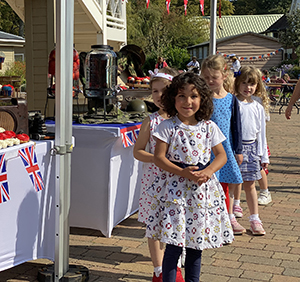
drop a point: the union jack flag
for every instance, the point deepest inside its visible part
(4, 193)
(130, 134)
(29, 159)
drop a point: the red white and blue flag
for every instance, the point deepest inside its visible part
(130, 135)
(29, 159)
(4, 192)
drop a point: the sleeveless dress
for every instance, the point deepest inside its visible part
(182, 212)
(149, 171)
(222, 114)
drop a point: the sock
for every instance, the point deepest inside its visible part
(231, 216)
(254, 217)
(157, 270)
(236, 202)
(264, 191)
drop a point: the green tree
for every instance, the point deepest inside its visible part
(258, 7)
(290, 37)
(9, 20)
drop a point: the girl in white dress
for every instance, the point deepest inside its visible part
(143, 151)
(254, 141)
(188, 206)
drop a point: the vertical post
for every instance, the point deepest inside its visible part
(63, 131)
(213, 20)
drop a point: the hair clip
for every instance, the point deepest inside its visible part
(160, 74)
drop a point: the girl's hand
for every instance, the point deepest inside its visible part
(203, 175)
(264, 165)
(239, 158)
(189, 173)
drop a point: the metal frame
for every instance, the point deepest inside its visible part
(63, 131)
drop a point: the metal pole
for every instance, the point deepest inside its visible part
(63, 131)
(213, 20)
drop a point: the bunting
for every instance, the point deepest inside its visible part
(202, 7)
(4, 192)
(254, 58)
(168, 2)
(29, 159)
(130, 135)
(147, 3)
(185, 5)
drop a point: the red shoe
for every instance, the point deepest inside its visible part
(157, 279)
(179, 277)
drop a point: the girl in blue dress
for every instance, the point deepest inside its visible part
(226, 115)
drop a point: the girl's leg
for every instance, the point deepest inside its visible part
(251, 196)
(226, 192)
(236, 227)
(256, 226)
(169, 265)
(264, 195)
(192, 265)
(156, 249)
(237, 210)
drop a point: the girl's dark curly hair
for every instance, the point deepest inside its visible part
(178, 82)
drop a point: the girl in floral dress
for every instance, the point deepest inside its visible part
(143, 151)
(188, 207)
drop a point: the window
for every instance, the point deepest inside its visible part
(19, 57)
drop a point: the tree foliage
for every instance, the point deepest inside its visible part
(9, 20)
(161, 34)
(258, 7)
(290, 38)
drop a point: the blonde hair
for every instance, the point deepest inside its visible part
(254, 75)
(218, 63)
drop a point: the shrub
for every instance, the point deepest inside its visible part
(17, 68)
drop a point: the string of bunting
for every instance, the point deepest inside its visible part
(185, 3)
(254, 58)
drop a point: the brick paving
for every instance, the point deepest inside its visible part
(274, 257)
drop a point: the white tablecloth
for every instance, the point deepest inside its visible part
(27, 219)
(105, 184)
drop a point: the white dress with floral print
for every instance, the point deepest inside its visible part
(149, 171)
(182, 212)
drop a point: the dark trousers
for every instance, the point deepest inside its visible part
(192, 264)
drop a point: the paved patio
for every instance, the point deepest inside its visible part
(274, 257)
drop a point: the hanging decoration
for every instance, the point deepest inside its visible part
(168, 2)
(29, 159)
(202, 7)
(4, 192)
(130, 135)
(147, 3)
(254, 58)
(185, 5)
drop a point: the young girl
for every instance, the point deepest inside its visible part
(188, 208)
(226, 115)
(158, 83)
(255, 152)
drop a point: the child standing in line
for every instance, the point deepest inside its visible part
(264, 198)
(144, 151)
(255, 151)
(226, 115)
(188, 208)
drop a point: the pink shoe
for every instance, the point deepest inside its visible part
(236, 227)
(237, 211)
(157, 279)
(257, 228)
(179, 277)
